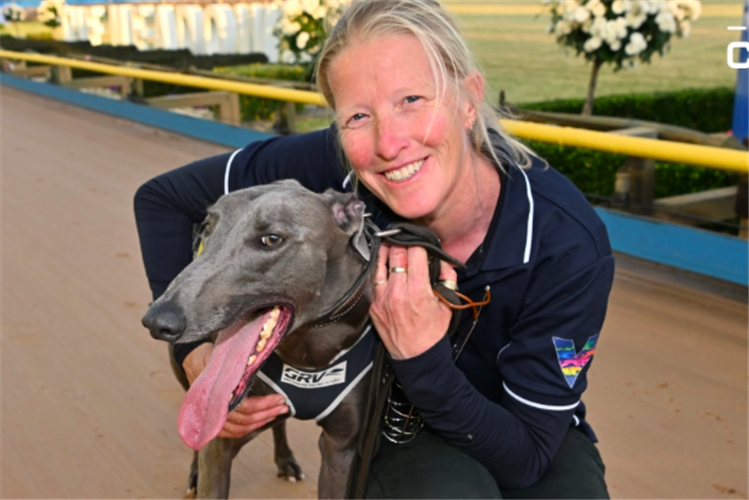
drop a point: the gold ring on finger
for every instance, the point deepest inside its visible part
(449, 284)
(397, 269)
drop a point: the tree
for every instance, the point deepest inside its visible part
(619, 32)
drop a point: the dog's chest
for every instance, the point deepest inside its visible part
(315, 394)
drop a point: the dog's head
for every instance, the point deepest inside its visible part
(269, 260)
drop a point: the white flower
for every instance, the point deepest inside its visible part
(586, 26)
(598, 26)
(292, 8)
(302, 39)
(636, 44)
(675, 10)
(621, 6)
(592, 43)
(645, 6)
(666, 21)
(13, 13)
(320, 12)
(615, 45)
(581, 15)
(685, 27)
(562, 28)
(635, 19)
(596, 8)
(692, 8)
(310, 6)
(46, 10)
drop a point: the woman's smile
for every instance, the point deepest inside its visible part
(401, 174)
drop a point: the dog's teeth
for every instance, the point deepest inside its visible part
(265, 335)
(275, 313)
(251, 360)
(261, 345)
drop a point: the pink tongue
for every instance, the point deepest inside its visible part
(206, 405)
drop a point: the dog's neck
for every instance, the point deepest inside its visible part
(314, 344)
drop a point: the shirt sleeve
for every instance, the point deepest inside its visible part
(517, 437)
(168, 206)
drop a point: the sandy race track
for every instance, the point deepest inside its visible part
(89, 403)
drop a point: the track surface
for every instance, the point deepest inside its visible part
(89, 404)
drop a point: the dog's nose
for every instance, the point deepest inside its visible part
(165, 322)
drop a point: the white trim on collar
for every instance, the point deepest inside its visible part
(347, 180)
(228, 168)
(529, 231)
(265, 378)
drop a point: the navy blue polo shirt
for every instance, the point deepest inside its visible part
(516, 388)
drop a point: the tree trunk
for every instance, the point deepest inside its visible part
(588, 108)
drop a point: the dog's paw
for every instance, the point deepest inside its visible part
(191, 493)
(290, 470)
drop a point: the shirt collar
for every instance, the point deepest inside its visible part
(509, 241)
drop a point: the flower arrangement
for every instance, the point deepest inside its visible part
(14, 14)
(619, 32)
(302, 28)
(48, 13)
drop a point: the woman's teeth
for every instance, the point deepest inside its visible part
(404, 173)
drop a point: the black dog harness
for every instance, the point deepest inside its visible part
(315, 394)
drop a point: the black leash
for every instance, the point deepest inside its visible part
(382, 376)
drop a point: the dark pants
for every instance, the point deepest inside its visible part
(428, 467)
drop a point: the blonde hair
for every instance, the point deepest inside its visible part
(449, 57)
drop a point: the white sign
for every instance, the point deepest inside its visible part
(211, 29)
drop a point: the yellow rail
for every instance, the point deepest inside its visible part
(719, 158)
(300, 96)
(692, 154)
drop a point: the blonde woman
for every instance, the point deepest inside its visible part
(415, 136)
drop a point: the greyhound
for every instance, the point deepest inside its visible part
(282, 282)
(270, 269)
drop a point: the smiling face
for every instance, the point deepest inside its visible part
(407, 143)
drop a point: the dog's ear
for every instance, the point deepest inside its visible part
(347, 210)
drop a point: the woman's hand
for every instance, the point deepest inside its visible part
(251, 414)
(408, 316)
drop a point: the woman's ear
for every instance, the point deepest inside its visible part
(474, 86)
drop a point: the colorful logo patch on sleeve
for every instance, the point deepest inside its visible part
(571, 362)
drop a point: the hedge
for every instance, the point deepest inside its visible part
(257, 108)
(706, 110)
(178, 59)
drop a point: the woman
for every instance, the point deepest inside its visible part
(504, 419)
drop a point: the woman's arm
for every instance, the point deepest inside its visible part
(517, 438)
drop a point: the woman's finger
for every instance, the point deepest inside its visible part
(447, 272)
(381, 271)
(418, 268)
(397, 264)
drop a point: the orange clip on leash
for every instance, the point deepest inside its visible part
(470, 303)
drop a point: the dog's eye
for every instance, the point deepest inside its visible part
(271, 240)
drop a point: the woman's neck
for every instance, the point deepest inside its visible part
(463, 224)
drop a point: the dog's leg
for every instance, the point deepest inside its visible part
(214, 466)
(283, 456)
(192, 481)
(335, 467)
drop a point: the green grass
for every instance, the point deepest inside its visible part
(519, 57)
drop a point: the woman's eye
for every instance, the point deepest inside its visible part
(356, 118)
(412, 98)
(271, 240)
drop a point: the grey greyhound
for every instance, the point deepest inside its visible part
(273, 264)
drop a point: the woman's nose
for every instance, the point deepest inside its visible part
(390, 140)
